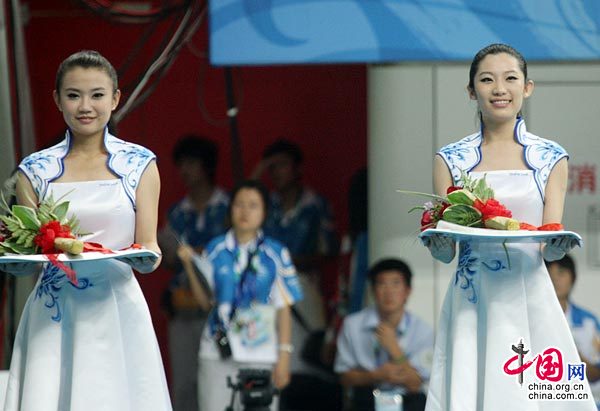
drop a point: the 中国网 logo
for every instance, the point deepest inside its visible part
(550, 371)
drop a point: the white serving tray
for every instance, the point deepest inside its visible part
(459, 232)
(87, 256)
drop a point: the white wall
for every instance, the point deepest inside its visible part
(416, 108)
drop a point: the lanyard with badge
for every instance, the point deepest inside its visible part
(245, 289)
(252, 323)
(387, 398)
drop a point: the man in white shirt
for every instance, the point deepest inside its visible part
(385, 346)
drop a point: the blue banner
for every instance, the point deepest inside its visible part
(263, 32)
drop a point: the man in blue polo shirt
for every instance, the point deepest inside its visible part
(385, 346)
(583, 324)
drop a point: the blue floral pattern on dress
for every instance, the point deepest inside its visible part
(468, 263)
(51, 283)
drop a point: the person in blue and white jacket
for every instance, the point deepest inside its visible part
(584, 325)
(253, 283)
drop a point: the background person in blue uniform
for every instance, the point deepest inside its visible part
(302, 220)
(245, 269)
(385, 346)
(194, 220)
(583, 324)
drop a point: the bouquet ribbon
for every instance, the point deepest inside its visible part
(71, 274)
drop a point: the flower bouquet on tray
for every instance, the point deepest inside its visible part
(44, 230)
(471, 204)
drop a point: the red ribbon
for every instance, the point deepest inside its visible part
(87, 247)
(71, 275)
(99, 248)
(135, 246)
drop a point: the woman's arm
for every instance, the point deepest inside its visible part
(25, 194)
(281, 371)
(146, 215)
(442, 179)
(442, 248)
(556, 189)
(554, 201)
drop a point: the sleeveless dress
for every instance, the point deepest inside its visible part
(91, 346)
(492, 304)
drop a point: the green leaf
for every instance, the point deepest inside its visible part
(27, 216)
(418, 193)
(461, 197)
(18, 249)
(12, 223)
(60, 211)
(481, 189)
(462, 214)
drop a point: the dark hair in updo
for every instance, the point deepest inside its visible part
(496, 48)
(86, 59)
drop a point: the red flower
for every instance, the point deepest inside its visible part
(492, 208)
(452, 188)
(426, 219)
(48, 232)
(431, 216)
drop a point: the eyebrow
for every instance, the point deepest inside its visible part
(94, 89)
(489, 73)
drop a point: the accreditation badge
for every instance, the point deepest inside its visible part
(387, 400)
(252, 334)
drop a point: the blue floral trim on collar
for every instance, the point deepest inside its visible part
(540, 155)
(126, 160)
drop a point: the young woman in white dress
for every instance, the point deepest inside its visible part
(493, 302)
(90, 345)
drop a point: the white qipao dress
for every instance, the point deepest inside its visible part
(89, 346)
(491, 306)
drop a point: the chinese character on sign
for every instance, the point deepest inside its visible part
(549, 366)
(582, 178)
(576, 371)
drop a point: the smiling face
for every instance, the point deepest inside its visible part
(500, 86)
(86, 99)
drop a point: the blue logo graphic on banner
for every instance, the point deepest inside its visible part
(344, 31)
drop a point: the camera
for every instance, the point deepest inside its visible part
(255, 388)
(222, 342)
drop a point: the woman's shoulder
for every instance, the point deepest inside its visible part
(45, 155)
(542, 144)
(117, 146)
(462, 155)
(469, 142)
